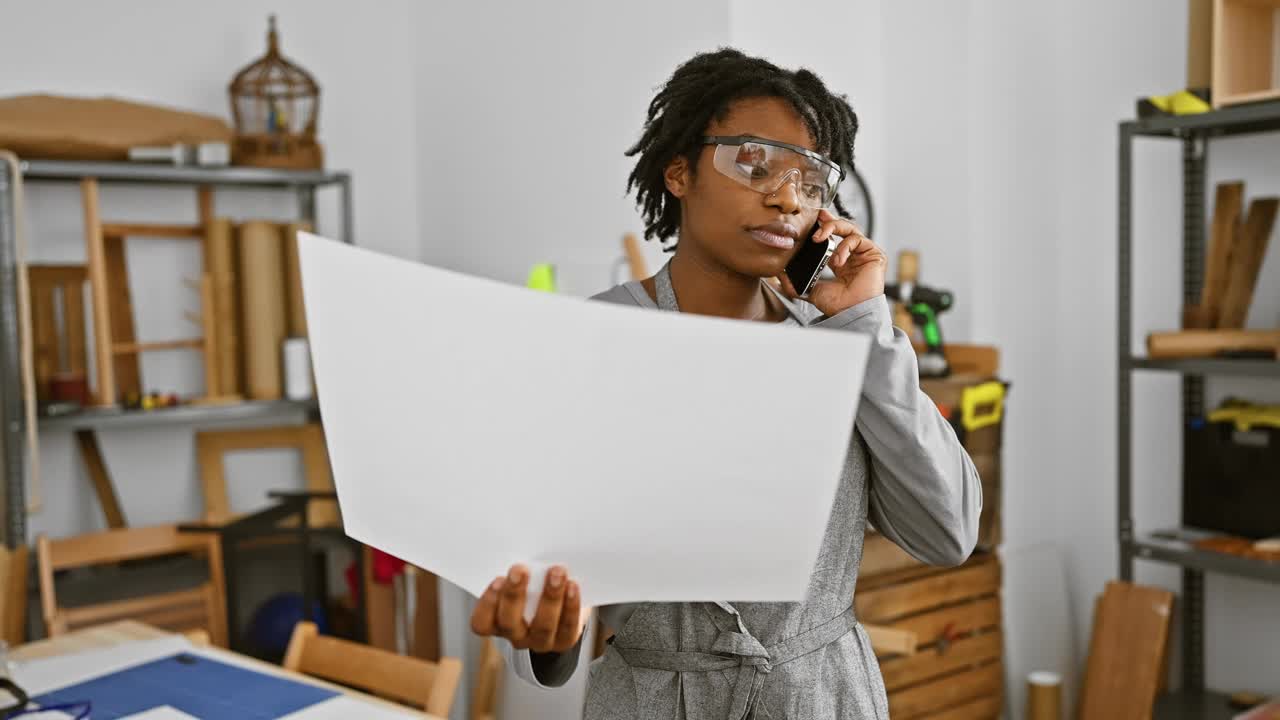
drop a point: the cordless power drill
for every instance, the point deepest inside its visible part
(925, 304)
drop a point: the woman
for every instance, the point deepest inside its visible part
(740, 160)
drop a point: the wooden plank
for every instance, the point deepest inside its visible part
(208, 325)
(128, 377)
(948, 692)
(319, 475)
(1250, 97)
(44, 331)
(484, 693)
(96, 467)
(1222, 238)
(172, 606)
(296, 317)
(109, 546)
(379, 607)
(1246, 262)
(952, 621)
(385, 673)
(14, 569)
(155, 230)
(136, 347)
(1200, 44)
(426, 623)
(1125, 654)
(908, 272)
(966, 652)
(984, 708)
(262, 286)
(95, 249)
(62, 274)
(204, 206)
(917, 571)
(980, 360)
(73, 321)
(1208, 343)
(894, 601)
(887, 641)
(220, 262)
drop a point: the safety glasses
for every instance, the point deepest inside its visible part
(765, 165)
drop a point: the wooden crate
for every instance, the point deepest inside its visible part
(1246, 53)
(957, 672)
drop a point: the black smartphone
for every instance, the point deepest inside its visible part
(807, 265)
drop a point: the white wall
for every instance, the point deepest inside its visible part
(184, 54)
(1037, 90)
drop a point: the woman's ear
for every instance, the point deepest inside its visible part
(677, 176)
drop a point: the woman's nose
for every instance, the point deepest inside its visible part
(787, 196)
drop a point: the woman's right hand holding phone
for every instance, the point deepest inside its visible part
(557, 625)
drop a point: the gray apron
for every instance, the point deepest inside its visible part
(804, 661)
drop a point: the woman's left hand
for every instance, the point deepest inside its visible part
(859, 266)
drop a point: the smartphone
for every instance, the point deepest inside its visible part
(808, 264)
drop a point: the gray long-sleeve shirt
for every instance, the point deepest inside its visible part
(905, 469)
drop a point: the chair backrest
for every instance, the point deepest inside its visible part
(201, 607)
(425, 685)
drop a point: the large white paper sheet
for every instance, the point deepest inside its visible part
(659, 456)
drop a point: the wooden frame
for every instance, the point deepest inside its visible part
(47, 283)
(425, 685)
(201, 607)
(212, 445)
(115, 346)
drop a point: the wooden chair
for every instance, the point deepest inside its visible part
(201, 607)
(419, 683)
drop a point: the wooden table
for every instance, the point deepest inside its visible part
(126, 631)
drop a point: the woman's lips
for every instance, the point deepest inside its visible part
(774, 240)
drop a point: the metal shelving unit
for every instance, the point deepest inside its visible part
(1194, 132)
(304, 183)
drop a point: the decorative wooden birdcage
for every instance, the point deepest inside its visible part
(275, 105)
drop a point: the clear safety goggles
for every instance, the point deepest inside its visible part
(765, 165)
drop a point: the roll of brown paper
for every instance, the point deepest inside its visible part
(1044, 696)
(220, 261)
(297, 324)
(263, 307)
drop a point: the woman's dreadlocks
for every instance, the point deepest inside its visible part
(702, 89)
